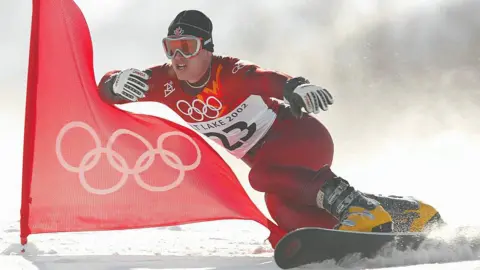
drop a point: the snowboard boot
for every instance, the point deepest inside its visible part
(353, 209)
(409, 214)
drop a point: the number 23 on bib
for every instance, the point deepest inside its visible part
(240, 129)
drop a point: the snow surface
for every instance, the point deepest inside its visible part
(222, 245)
(212, 245)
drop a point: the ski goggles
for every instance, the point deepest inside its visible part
(188, 46)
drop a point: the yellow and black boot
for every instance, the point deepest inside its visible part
(410, 214)
(354, 210)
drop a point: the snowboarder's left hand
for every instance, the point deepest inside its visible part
(299, 93)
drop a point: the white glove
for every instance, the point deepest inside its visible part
(315, 98)
(131, 84)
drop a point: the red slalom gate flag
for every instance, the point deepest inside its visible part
(89, 166)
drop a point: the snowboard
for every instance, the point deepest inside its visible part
(314, 245)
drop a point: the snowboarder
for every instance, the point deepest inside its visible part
(256, 114)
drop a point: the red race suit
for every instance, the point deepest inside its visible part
(241, 108)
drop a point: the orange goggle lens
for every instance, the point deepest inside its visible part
(187, 46)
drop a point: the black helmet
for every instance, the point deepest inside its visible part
(195, 23)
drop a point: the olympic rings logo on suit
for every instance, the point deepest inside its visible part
(203, 112)
(143, 163)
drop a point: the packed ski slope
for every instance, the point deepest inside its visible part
(217, 245)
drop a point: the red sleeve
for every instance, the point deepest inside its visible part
(259, 81)
(267, 83)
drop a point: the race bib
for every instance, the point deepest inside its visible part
(242, 128)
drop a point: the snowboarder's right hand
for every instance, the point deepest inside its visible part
(131, 84)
